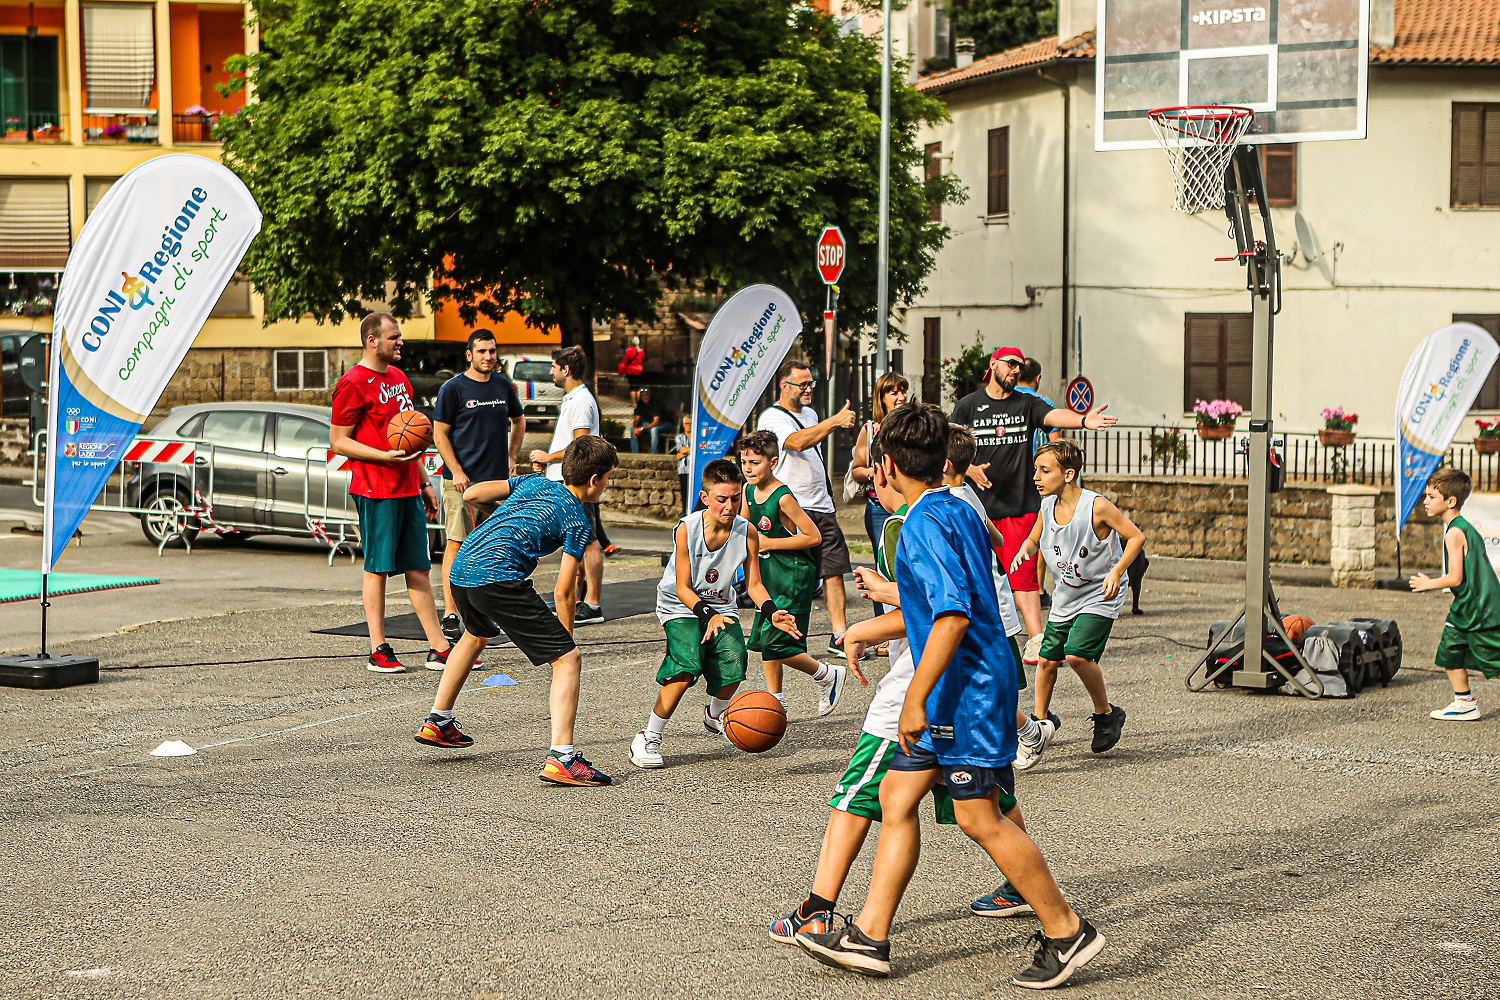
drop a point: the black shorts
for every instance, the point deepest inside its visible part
(964, 781)
(596, 525)
(832, 553)
(516, 610)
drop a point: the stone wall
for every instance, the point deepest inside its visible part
(1205, 519)
(241, 374)
(645, 486)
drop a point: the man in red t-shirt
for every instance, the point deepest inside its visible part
(394, 497)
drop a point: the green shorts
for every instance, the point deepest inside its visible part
(1015, 650)
(720, 661)
(393, 534)
(1084, 635)
(1462, 650)
(858, 791)
(772, 643)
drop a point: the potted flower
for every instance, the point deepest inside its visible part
(49, 133)
(1487, 441)
(1338, 427)
(114, 132)
(1216, 418)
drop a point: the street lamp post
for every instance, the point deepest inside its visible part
(883, 252)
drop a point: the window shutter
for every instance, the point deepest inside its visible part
(932, 359)
(1489, 393)
(94, 190)
(1468, 135)
(999, 171)
(1239, 338)
(34, 231)
(1279, 166)
(932, 169)
(1489, 177)
(1203, 342)
(119, 57)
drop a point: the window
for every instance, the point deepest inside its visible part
(28, 83)
(1278, 165)
(1217, 358)
(192, 430)
(532, 371)
(234, 300)
(296, 436)
(932, 171)
(34, 230)
(1476, 155)
(300, 371)
(932, 359)
(384, 305)
(119, 57)
(998, 202)
(242, 429)
(1489, 393)
(94, 190)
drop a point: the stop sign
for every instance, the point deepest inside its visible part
(831, 255)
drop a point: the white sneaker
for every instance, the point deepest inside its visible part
(1459, 711)
(831, 688)
(1027, 756)
(715, 726)
(645, 750)
(1032, 654)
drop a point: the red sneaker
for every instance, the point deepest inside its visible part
(383, 661)
(578, 771)
(437, 659)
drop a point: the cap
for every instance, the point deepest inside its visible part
(1003, 354)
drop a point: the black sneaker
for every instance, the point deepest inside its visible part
(848, 948)
(453, 629)
(1107, 729)
(1056, 959)
(588, 614)
(836, 648)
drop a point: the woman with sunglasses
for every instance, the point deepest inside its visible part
(891, 390)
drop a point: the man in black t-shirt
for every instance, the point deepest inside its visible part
(469, 430)
(648, 422)
(1003, 422)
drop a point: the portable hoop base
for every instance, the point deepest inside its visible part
(1199, 141)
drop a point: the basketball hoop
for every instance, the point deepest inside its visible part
(1199, 140)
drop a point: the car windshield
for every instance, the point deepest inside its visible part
(532, 371)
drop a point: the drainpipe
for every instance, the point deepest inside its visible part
(1067, 216)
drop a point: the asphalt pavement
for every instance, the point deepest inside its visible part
(1234, 845)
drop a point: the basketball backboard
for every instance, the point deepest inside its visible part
(1300, 65)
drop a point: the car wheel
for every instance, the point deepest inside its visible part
(165, 519)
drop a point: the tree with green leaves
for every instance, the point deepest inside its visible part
(570, 159)
(997, 25)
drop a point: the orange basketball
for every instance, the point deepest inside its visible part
(409, 430)
(1296, 626)
(754, 721)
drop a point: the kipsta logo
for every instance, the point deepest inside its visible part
(712, 576)
(765, 523)
(960, 778)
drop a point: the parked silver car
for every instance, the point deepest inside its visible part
(256, 478)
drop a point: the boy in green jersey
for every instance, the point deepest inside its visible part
(1471, 635)
(787, 539)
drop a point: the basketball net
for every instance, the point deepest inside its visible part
(1199, 141)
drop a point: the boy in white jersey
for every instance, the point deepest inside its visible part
(1088, 545)
(695, 605)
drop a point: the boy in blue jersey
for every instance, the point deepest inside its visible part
(957, 722)
(492, 589)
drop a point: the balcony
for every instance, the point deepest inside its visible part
(194, 126)
(33, 126)
(119, 126)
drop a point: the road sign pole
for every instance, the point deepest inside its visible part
(883, 254)
(828, 339)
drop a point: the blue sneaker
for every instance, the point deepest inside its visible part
(784, 929)
(1003, 902)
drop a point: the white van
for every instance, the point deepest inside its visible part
(532, 375)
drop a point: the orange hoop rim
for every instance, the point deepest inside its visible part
(1223, 114)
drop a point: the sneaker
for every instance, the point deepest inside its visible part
(453, 629)
(437, 659)
(831, 688)
(383, 661)
(1003, 902)
(645, 750)
(1107, 729)
(784, 929)
(443, 734)
(1027, 755)
(836, 648)
(611, 550)
(575, 771)
(1462, 710)
(1031, 655)
(715, 726)
(848, 948)
(1056, 959)
(588, 614)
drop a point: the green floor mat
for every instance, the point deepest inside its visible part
(26, 584)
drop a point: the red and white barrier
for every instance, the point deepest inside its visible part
(161, 452)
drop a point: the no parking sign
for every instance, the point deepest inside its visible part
(1080, 395)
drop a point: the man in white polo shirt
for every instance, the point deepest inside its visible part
(578, 415)
(799, 432)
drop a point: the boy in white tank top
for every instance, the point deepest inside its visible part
(695, 604)
(1087, 544)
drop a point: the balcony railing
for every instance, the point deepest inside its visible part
(33, 126)
(194, 128)
(120, 125)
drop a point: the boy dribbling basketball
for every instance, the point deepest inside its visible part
(695, 605)
(787, 538)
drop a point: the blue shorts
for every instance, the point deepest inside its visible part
(964, 781)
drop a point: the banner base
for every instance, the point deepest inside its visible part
(1393, 583)
(32, 670)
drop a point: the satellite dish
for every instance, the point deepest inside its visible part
(1306, 241)
(32, 360)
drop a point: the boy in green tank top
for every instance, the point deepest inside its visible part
(787, 538)
(1471, 635)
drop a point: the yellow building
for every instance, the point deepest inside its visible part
(90, 90)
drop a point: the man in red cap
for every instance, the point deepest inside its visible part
(1003, 421)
